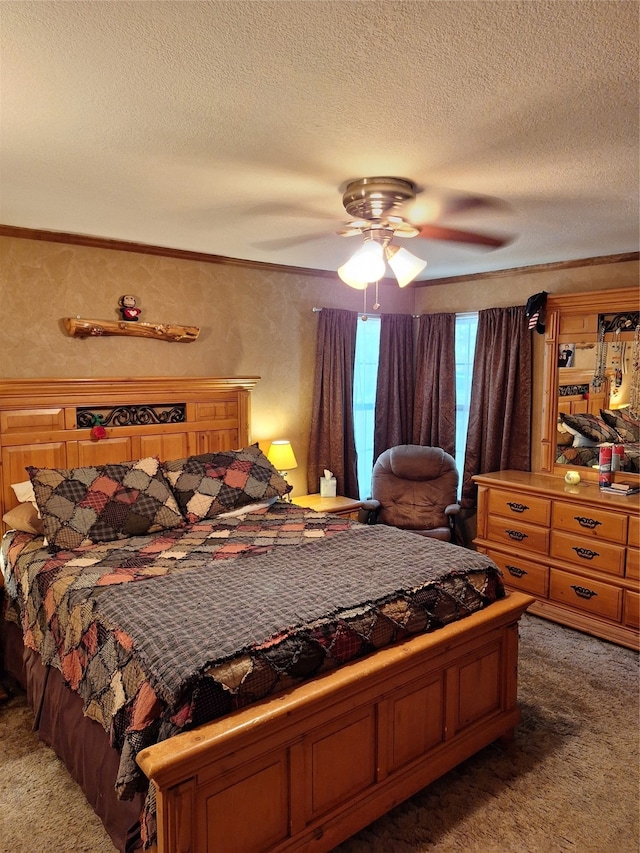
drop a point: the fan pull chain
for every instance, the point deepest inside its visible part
(376, 304)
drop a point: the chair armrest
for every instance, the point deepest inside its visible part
(452, 509)
(368, 513)
(441, 533)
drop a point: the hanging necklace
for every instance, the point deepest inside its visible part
(599, 377)
(616, 362)
(634, 391)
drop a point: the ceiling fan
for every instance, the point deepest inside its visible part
(386, 208)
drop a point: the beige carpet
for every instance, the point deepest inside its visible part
(569, 782)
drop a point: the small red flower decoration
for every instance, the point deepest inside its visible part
(98, 432)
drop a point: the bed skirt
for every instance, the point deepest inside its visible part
(80, 743)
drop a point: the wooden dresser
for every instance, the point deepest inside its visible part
(572, 547)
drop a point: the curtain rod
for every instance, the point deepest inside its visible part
(317, 311)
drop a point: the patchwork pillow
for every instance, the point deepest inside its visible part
(213, 483)
(102, 503)
(627, 428)
(591, 427)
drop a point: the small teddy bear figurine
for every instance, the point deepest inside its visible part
(128, 309)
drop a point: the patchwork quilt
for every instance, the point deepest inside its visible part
(162, 632)
(589, 456)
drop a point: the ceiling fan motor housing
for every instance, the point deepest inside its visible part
(372, 198)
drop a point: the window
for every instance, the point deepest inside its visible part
(364, 398)
(465, 345)
(364, 391)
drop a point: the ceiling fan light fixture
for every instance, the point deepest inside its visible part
(365, 265)
(405, 266)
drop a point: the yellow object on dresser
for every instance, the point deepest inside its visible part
(572, 546)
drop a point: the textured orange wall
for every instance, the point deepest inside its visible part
(252, 322)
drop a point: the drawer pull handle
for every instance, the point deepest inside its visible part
(583, 592)
(518, 535)
(586, 553)
(514, 507)
(515, 571)
(591, 523)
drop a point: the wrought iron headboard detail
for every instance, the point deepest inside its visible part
(572, 390)
(623, 322)
(121, 416)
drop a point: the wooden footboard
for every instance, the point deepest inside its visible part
(307, 769)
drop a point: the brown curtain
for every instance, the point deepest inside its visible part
(499, 433)
(434, 412)
(332, 441)
(394, 390)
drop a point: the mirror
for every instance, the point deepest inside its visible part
(589, 345)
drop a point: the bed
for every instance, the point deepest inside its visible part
(375, 661)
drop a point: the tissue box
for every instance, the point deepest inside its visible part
(327, 487)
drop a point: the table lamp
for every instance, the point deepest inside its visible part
(282, 457)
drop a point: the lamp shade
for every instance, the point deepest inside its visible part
(365, 265)
(405, 266)
(281, 455)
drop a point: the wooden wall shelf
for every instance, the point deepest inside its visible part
(81, 328)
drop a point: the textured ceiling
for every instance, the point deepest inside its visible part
(229, 127)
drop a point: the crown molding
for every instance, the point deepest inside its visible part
(622, 258)
(88, 241)
(203, 257)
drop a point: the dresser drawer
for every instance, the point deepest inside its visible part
(631, 614)
(591, 522)
(597, 556)
(531, 509)
(519, 535)
(585, 594)
(522, 574)
(633, 563)
(633, 548)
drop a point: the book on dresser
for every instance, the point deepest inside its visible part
(574, 547)
(621, 488)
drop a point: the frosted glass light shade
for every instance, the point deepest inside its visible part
(281, 456)
(367, 264)
(405, 266)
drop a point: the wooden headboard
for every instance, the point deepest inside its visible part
(48, 422)
(572, 399)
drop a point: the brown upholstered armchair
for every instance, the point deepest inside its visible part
(415, 488)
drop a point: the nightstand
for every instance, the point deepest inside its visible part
(345, 507)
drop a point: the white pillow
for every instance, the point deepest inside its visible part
(580, 440)
(254, 507)
(24, 492)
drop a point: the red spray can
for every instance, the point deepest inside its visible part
(604, 462)
(617, 452)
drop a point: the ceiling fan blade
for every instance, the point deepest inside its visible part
(298, 211)
(289, 242)
(435, 204)
(465, 203)
(453, 235)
